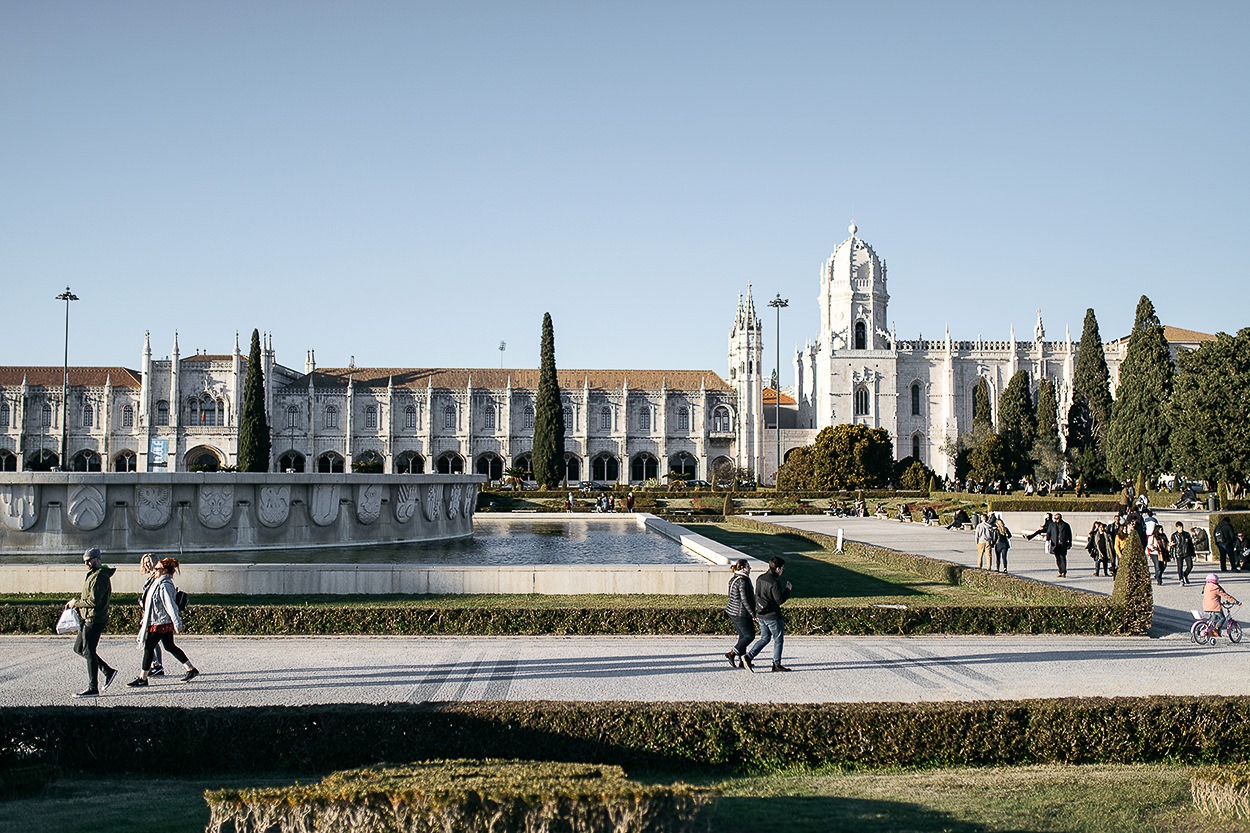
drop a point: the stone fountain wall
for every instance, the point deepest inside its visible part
(61, 513)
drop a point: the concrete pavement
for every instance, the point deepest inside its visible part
(248, 671)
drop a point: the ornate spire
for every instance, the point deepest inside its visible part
(1039, 332)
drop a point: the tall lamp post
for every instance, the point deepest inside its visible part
(65, 296)
(778, 304)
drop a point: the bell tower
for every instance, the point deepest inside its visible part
(746, 349)
(853, 297)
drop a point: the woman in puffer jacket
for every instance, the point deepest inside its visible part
(160, 622)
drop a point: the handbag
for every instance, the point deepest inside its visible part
(69, 621)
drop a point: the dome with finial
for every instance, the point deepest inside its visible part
(852, 228)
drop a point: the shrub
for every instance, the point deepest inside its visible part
(465, 795)
(1132, 591)
(1222, 790)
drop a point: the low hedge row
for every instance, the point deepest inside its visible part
(25, 780)
(438, 796)
(1039, 616)
(1129, 610)
(675, 737)
(1067, 503)
(1222, 790)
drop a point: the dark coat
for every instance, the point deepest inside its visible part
(770, 594)
(1060, 537)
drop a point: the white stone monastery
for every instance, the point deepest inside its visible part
(622, 426)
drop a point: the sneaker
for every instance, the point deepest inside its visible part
(157, 671)
(190, 675)
(110, 674)
(90, 692)
(746, 663)
(729, 655)
(779, 667)
(137, 682)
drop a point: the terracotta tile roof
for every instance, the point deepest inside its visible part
(456, 378)
(1176, 334)
(121, 377)
(770, 397)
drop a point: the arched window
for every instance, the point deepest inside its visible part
(915, 399)
(371, 417)
(643, 467)
(332, 421)
(720, 420)
(861, 335)
(88, 416)
(125, 461)
(292, 417)
(861, 401)
(529, 417)
(45, 415)
(128, 420)
(8, 460)
(572, 468)
(644, 419)
(605, 419)
(605, 467)
(410, 418)
(4, 414)
(568, 418)
(410, 462)
(162, 413)
(449, 463)
(330, 463)
(683, 419)
(915, 447)
(491, 465)
(488, 418)
(449, 419)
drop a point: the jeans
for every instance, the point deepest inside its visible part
(1061, 559)
(1184, 566)
(1159, 566)
(745, 626)
(85, 645)
(771, 630)
(1000, 557)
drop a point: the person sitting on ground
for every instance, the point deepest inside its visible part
(1212, 596)
(961, 518)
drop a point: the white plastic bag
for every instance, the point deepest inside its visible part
(69, 621)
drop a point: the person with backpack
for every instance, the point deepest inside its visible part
(741, 610)
(93, 606)
(148, 565)
(1224, 536)
(1002, 543)
(161, 620)
(1060, 537)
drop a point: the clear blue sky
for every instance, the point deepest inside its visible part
(411, 183)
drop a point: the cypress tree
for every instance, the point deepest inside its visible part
(1047, 461)
(1017, 424)
(1210, 432)
(548, 456)
(1090, 414)
(982, 416)
(254, 438)
(1138, 439)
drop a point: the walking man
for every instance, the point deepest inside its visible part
(93, 606)
(769, 596)
(1183, 552)
(1224, 537)
(1060, 537)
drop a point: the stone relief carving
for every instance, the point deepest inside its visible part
(216, 505)
(430, 506)
(325, 503)
(85, 508)
(273, 505)
(455, 500)
(405, 500)
(470, 500)
(153, 506)
(18, 507)
(368, 503)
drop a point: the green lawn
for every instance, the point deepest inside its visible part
(1064, 799)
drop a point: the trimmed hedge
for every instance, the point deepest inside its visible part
(675, 737)
(1013, 503)
(1045, 608)
(1222, 791)
(25, 780)
(462, 795)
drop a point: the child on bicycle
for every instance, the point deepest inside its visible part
(1212, 595)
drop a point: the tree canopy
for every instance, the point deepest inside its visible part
(1210, 410)
(254, 439)
(842, 457)
(1047, 460)
(1017, 425)
(548, 455)
(1138, 442)
(1090, 414)
(982, 410)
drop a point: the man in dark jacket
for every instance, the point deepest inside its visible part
(93, 606)
(769, 596)
(1059, 535)
(1225, 536)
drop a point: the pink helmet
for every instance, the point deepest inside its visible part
(1213, 579)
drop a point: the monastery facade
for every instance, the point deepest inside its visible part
(622, 426)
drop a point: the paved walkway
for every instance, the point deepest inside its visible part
(1173, 601)
(246, 671)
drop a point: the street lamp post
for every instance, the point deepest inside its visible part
(65, 296)
(778, 304)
